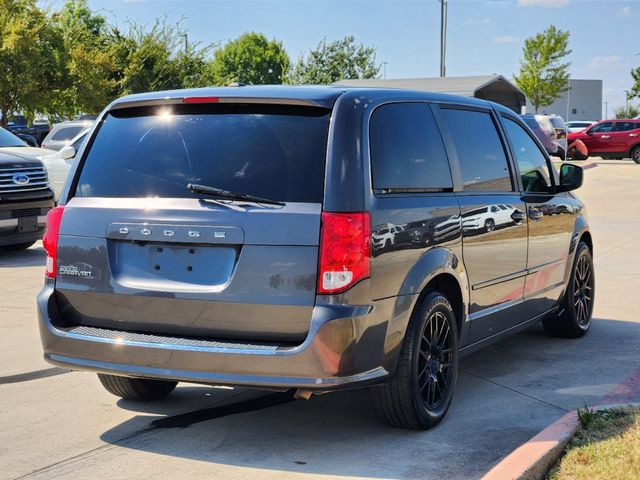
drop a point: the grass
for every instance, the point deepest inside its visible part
(606, 446)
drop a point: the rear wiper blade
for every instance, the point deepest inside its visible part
(207, 190)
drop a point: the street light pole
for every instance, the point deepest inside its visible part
(626, 103)
(606, 110)
(443, 37)
(384, 67)
(186, 41)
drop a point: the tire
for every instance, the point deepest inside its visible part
(136, 388)
(413, 399)
(635, 154)
(489, 225)
(576, 310)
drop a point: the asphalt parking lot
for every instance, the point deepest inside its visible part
(59, 424)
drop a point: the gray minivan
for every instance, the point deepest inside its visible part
(224, 236)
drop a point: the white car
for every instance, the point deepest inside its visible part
(59, 163)
(385, 237)
(578, 125)
(487, 218)
(61, 134)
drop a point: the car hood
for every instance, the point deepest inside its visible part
(26, 152)
(19, 157)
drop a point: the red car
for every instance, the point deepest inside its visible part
(612, 139)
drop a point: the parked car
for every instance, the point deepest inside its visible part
(578, 125)
(38, 129)
(542, 127)
(25, 195)
(224, 236)
(62, 133)
(612, 139)
(58, 163)
(561, 132)
(488, 218)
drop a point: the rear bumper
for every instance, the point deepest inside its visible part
(344, 348)
(10, 219)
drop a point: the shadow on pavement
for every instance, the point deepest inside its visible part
(32, 257)
(506, 394)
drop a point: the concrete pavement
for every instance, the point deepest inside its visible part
(66, 426)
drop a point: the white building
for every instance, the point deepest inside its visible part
(583, 101)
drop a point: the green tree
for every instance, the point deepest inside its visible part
(155, 60)
(30, 59)
(631, 111)
(635, 89)
(252, 59)
(91, 70)
(333, 61)
(543, 74)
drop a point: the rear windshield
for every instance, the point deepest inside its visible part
(275, 152)
(67, 133)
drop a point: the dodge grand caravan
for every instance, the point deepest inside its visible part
(224, 236)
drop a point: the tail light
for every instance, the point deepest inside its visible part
(345, 250)
(50, 239)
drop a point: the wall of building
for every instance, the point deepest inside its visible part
(584, 98)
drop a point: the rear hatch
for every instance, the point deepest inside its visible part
(139, 251)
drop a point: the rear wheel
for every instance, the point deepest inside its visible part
(420, 392)
(489, 225)
(17, 247)
(635, 154)
(577, 307)
(136, 388)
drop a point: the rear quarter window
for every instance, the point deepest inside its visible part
(274, 152)
(407, 152)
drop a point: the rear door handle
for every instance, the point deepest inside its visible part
(633, 134)
(535, 214)
(518, 216)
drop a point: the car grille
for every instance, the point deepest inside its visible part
(26, 212)
(25, 179)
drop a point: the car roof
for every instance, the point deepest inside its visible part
(314, 95)
(72, 123)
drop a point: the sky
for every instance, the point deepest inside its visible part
(483, 37)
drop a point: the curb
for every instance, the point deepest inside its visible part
(533, 459)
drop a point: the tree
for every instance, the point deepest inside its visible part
(153, 60)
(635, 89)
(543, 75)
(30, 59)
(251, 59)
(337, 60)
(631, 111)
(91, 71)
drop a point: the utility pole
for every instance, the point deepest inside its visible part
(626, 103)
(186, 40)
(568, 97)
(384, 67)
(443, 37)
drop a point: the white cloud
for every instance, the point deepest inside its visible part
(477, 21)
(624, 12)
(542, 3)
(505, 39)
(605, 61)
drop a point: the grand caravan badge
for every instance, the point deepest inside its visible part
(80, 269)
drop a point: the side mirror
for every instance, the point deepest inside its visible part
(67, 152)
(571, 177)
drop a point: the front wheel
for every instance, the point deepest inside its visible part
(574, 319)
(420, 391)
(136, 388)
(635, 154)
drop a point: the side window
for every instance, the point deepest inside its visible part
(602, 127)
(406, 149)
(481, 155)
(624, 126)
(532, 163)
